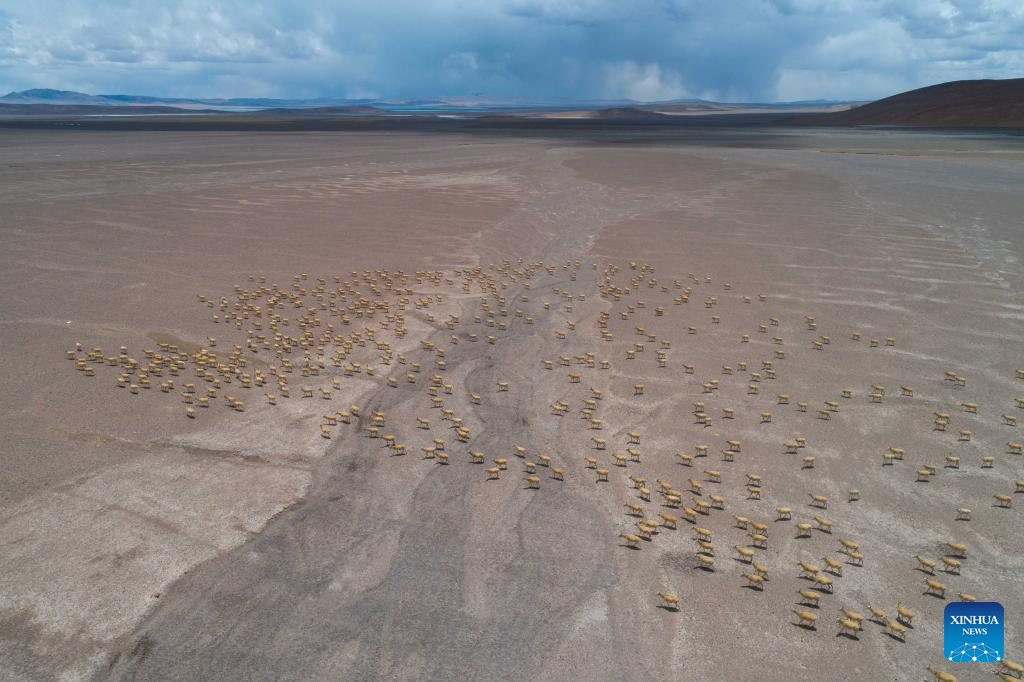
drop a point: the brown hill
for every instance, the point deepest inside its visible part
(348, 110)
(630, 113)
(969, 104)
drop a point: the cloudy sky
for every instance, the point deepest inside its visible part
(730, 50)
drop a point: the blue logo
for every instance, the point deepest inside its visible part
(973, 632)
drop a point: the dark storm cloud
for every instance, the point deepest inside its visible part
(645, 49)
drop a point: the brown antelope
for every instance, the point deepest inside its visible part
(903, 614)
(1014, 667)
(926, 564)
(670, 601)
(808, 569)
(707, 562)
(899, 630)
(878, 615)
(848, 626)
(645, 530)
(806, 618)
(809, 597)
(941, 675)
(824, 582)
(957, 549)
(755, 581)
(746, 554)
(833, 565)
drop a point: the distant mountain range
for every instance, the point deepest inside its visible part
(70, 97)
(976, 103)
(47, 96)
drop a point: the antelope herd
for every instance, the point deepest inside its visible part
(326, 331)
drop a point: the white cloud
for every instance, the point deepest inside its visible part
(642, 82)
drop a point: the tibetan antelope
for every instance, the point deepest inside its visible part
(669, 601)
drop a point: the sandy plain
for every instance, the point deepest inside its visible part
(136, 543)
